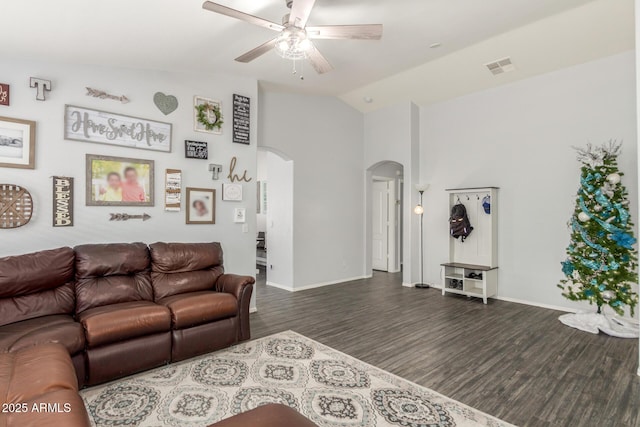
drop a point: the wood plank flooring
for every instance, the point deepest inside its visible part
(513, 361)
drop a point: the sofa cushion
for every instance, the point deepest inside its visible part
(119, 322)
(111, 274)
(61, 329)
(42, 375)
(184, 267)
(36, 284)
(196, 308)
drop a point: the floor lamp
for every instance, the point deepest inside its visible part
(419, 210)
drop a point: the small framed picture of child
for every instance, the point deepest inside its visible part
(119, 181)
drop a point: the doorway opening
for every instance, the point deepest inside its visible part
(274, 210)
(385, 213)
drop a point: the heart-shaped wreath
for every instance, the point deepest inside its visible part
(203, 116)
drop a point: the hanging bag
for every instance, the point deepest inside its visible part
(459, 225)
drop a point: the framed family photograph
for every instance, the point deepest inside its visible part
(119, 181)
(201, 206)
(17, 143)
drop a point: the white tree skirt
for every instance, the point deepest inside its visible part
(595, 323)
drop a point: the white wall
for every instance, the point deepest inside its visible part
(392, 134)
(323, 137)
(279, 222)
(261, 175)
(55, 156)
(519, 137)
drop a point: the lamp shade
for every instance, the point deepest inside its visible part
(422, 187)
(418, 210)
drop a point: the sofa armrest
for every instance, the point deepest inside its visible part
(241, 287)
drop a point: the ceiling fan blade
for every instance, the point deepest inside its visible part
(224, 10)
(360, 32)
(300, 11)
(319, 62)
(259, 51)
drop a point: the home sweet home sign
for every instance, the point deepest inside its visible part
(85, 124)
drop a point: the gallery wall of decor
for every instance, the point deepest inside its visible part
(100, 149)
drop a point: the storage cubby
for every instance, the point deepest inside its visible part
(472, 267)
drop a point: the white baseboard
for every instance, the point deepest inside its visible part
(279, 286)
(536, 304)
(253, 309)
(316, 285)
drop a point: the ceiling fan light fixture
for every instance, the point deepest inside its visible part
(293, 43)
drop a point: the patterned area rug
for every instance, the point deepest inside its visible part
(328, 387)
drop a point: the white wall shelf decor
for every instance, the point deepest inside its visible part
(472, 267)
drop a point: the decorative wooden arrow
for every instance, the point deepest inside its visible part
(125, 217)
(104, 95)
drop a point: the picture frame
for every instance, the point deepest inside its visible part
(102, 127)
(17, 143)
(240, 215)
(119, 181)
(232, 192)
(201, 206)
(5, 94)
(199, 127)
(196, 150)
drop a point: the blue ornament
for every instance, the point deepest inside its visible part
(625, 258)
(624, 240)
(602, 288)
(588, 292)
(614, 265)
(567, 268)
(616, 303)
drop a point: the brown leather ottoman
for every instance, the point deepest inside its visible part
(272, 415)
(38, 387)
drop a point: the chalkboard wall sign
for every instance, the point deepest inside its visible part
(196, 150)
(241, 119)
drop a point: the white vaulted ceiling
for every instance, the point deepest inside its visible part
(178, 35)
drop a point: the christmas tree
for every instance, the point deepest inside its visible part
(601, 259)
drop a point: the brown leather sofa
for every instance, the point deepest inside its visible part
(70, 317)
(122, 308)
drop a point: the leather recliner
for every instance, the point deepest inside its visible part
(209, 309)
(125, 330)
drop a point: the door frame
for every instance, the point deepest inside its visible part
(393, 263)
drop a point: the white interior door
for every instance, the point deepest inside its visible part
(380, 222)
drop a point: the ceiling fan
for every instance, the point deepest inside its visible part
(294, 38)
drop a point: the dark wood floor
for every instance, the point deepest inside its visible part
(513, 361)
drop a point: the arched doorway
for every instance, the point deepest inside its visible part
(274, 249)
(384, 217)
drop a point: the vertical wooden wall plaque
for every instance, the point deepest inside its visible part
(62, 201)
(173, 190)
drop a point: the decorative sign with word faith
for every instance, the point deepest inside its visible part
(85, 124)
(62, 201)
(241, 119)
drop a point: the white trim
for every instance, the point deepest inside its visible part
(509, 299)
(279, 286)
(408, 285)
(253, 309)
(316, 285)
(536, 304)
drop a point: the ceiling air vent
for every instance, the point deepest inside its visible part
(500, 66)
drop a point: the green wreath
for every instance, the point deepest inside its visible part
(203, 109)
